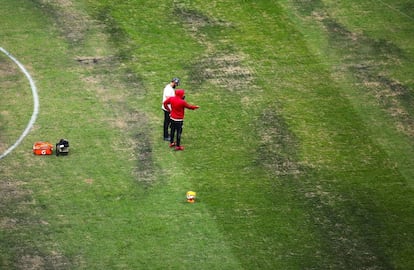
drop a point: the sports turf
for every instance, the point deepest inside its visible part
(301, 153)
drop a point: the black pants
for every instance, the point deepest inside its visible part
(167, 123)
(176, 126)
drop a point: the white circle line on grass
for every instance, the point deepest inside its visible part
(35, 104)
(396, 10)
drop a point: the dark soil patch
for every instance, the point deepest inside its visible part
(193, 18)
(8, 70)
(307, 7)
(397, 99)
(132, 122)
(8, 76)
(368, 60)
(42, 261)
(348, 221)
(278, 154)
(278, 146)
(144, 171)
(72, 24)
(100, 71)
(16, 217)
(222, 68)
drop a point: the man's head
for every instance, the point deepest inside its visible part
(175, 82)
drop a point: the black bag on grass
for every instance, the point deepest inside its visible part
(62, 147)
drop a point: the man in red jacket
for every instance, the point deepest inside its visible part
(178, 106)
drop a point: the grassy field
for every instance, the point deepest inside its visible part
(301, 154)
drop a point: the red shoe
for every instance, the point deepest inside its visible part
(173, 144)
(179, 148)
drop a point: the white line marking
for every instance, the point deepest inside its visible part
(395, 9)
(35, 105)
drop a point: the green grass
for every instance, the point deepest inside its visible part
(301, 152)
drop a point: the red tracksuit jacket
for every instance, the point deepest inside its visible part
(178, 105)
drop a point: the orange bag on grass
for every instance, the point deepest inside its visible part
(42, 148)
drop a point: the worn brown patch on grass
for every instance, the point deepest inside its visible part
(225, 69)
(278, 154)
(12, 197)
(15, 209)
(54, 260)
(130, 121)
(347, 219)
(113, 89)
(8, 75)
(368, 60)
(11, 191)
(278, 146)
(72, 23)
(7, 70)
(391, 95)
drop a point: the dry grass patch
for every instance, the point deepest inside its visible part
(225, 71)
(73, 24)
(278, 147)
(368, 60)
